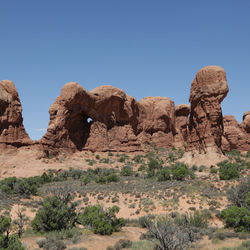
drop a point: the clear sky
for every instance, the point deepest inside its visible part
(146, 48)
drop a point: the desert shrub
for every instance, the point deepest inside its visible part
(123, 158)
(228, 170)
(54, 239)
(122, 243)
(170, 236)
(237, 218)
(76, 174)
(127, 171)
(153, 166)
(104, 160)
(51, 242)
(171, 157)
(138, 159)
(194, 168)
(7, 241)
(101, 221)
(163, 174)
(24, 186)
(106, 176)
(180, 171)
(197, 219)
(143, 244)
(213, 170)
(202, 168)
(142, 167)
(86, 179)
(7, 185)
(143, 221)
(240, 195)
(56, 213)
(110, 154)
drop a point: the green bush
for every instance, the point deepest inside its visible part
(163, 174)
(197, 219)
(213, 170)
(7, 241)
(240, 195)
(127, 171)
(122, 243)
(101, 221)
(237, 218)
(138, 159)
(104, 176)
(180, 171)
(55, 214)
(228, 171)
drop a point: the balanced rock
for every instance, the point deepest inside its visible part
(12, 131)
(205, 128)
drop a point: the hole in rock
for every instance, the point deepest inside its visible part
(89, 120)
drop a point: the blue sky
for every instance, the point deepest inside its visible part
(146, 48)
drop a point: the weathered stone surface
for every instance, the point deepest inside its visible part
(182, 112)
(205, 128)
(234, 135)
(246, 122)
(108, 119)
(12, 131)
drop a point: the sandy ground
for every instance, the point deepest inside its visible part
(26, 163)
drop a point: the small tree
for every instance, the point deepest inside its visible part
(7, 241)
(237, 218)
(101, 221)
(180, 171)
(56, 213)
(228, 170)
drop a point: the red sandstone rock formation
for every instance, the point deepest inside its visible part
(108, 119)
(246, 122)
(208, 89)
(12, 131)
(235, 135)
(181, 117)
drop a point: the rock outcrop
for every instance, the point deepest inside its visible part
(108, 119)
(181, 118)
(12, 132)
(246, 122)
(205, 128)
(235, 135)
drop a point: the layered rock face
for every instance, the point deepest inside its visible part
(12, 131)
(205, 128)
(246, 122)
(108, 119)
(181, 118)
(235, 135)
